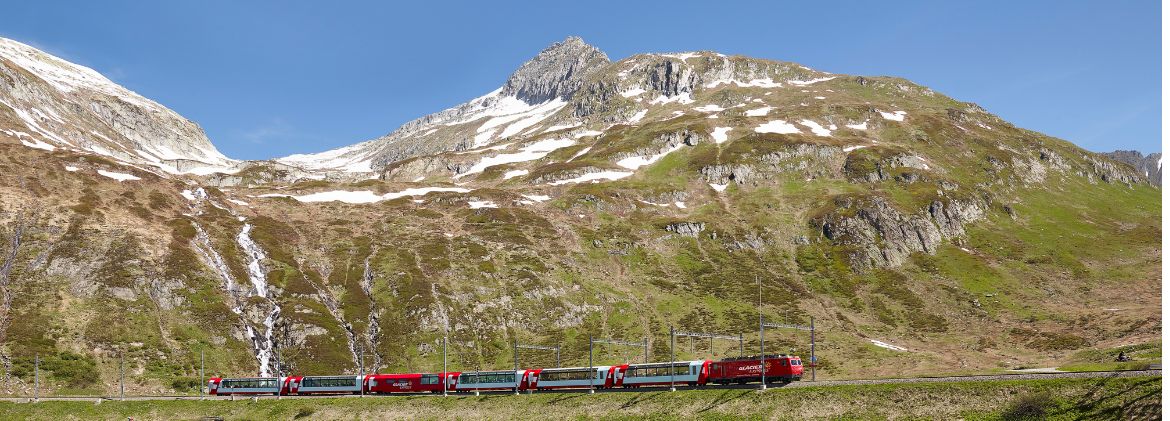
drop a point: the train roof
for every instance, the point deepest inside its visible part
(757, 357)
(666, 364)
(559, 369)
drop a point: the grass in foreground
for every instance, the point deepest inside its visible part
(1103, 398)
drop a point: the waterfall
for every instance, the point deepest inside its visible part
(254, 256)
(263, 345)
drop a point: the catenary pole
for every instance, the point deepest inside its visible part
(445, 375)
(812, 337)
(202, 378)
(672, 358)
(763, 376)
(122, 375)
(591, 374)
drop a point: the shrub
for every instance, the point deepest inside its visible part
(1030, 406)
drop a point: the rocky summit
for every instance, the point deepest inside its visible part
(584, 197)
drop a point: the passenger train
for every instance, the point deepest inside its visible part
(776, 368)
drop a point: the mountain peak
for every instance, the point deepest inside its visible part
(556, 72)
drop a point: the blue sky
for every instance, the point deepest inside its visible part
(272, 79)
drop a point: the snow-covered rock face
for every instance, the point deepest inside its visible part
(534, 93)
(58, 103)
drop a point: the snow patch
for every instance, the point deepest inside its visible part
(719, 187)
(777, 126)
(887, 346)
(684, 98)
(579, 153)
(709, 108)
(118, 176)
(720, 134)
(536, 197)
(816, 128)
(848, 149)
(528, 153)
(858, 126)
(71, 168)
(810, 82)
(637, 116)
(514, 173)
(633, 92)
(478, 204)
(896, 115)
(758, 112)
(635, 162)
(595, 177)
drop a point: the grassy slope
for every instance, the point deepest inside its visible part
(1058, 399)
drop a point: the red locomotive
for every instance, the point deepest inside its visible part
(783, 368)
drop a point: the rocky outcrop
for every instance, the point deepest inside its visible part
(557, 72)
(882, 236)
(1148, 165)
(1108, 171)
(689, 229)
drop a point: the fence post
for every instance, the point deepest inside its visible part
(122, 375)
(37, 378)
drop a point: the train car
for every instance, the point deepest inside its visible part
(410, 383)
(692, 373)
(324, 385)
(777, 368)
(573, 377)
(247, 386)
(491, 380)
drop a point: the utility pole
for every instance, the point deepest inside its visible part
(672, 358)
(763, 376)
(202, 379)
(516, 363)
(445, 375)
(591, 374)
(362, 369)
(645, 351)
(741, 345)
(812, 336)
(37, 378)
(122, 375)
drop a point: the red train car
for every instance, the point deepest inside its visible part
(410, 383)
(783, 368)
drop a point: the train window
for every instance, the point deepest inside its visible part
(429, 379)
(328, 382)
(564, 375)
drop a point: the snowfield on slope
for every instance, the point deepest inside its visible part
(363, 196)
(527, 153)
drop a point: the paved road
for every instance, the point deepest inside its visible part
(987, 377)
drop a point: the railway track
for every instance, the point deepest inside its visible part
(939, 379)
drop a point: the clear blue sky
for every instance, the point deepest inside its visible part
(271, 79)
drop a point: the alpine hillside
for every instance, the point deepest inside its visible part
(583, 197)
